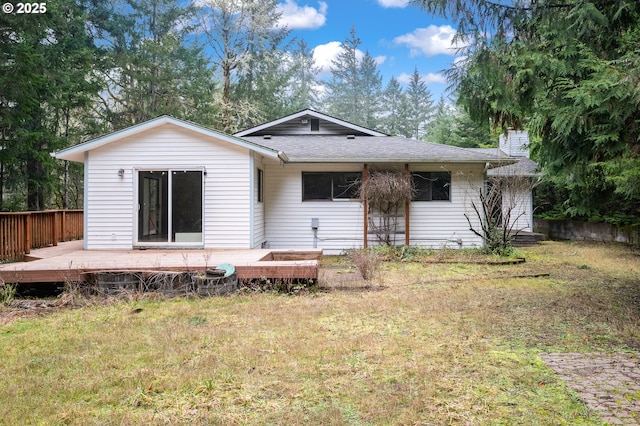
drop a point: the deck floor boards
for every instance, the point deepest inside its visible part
(69, 262)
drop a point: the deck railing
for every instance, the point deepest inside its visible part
(22, 231)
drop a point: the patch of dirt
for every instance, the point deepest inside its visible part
(28, 309)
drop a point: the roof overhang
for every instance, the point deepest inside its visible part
(77, 152)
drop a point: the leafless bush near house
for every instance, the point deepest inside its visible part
(367, 261)
(496, 210)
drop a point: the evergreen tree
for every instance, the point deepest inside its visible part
(568, 71)
(420, 105)
(441, 129)
(344, 96)
(370, 82)
(45, 78)
(395, 102)
(238, 31)
(152, 65)
(303, 83)
(262, 79)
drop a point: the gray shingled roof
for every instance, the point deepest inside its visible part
(523, 167)
(371, 149)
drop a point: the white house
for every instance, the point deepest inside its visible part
(520, 177)
(283, 184)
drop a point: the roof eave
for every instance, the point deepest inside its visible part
(484, 162)
(76, 152)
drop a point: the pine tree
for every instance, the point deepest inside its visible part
(395, 102)
(420, 105)
(344, 97)
(151, 64)
(370, 82)
(45, 78)
(304, 84)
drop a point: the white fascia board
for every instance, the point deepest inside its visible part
(490, 163)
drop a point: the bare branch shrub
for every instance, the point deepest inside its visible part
(367, 261)
(386, 194)
(497, 207)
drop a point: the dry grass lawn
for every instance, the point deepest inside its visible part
(424, 343)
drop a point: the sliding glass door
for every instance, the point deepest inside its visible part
(170, 206)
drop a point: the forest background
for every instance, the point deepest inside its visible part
(566, 70)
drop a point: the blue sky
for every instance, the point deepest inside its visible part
(399, 36)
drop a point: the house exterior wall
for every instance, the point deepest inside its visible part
(288, 218)
(520, 201)
(258, 206)
(440, 224)
(515, 143)
(432, 223)
(111, 203)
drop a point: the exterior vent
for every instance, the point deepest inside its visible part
(266, 137)
(304, 121)
(351, 136)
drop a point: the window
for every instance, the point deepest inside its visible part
(432, 186)
(315, 125)
(329, 185)
(260, 183)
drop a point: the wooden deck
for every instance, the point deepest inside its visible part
(69, 262)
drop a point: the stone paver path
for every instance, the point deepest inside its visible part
(607, 383)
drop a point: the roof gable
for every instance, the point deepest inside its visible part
(300, 123)
(77, 152)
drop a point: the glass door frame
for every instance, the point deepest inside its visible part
(137, 208)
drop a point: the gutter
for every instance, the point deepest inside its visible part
(282, 156)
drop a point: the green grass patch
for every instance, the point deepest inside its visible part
(436, 343)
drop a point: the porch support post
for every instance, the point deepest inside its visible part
(407, 204)
(365, 176)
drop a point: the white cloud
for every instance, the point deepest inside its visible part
(379, 60)
(430, 41)
(393, 3)
(297, 17)
(325, 54)
(430, 78)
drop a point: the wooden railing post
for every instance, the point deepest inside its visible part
(56, 228)
(27, 236)
(63, 225)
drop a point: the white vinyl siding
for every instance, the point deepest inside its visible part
(440, 224)
(434, 224)
(520, 203)
(258, 206)
(112, 200)
(288, 218)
